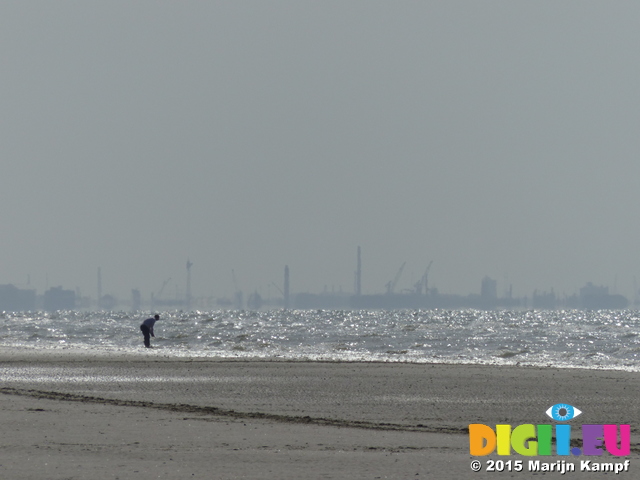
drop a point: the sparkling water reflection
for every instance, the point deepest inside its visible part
(589, 339)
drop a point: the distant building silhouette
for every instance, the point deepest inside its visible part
(136, 299)
(58, 299)
(544, 300)
(254, 302)
(593, 297)
(14, 299)
(488, 292)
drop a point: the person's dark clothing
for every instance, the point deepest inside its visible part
(147, 335)
(150, 322)
(147, 329)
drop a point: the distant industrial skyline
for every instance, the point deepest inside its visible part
(177, 290)
(495, 139)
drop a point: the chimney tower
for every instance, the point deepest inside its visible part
(286, 286)
(359, 275)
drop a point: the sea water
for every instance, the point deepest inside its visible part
(578, 339)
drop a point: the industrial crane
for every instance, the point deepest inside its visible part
(157, 297)
(392, 284)
(422, 283)
(164, 284)
(279, 289)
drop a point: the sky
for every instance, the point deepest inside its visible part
(493, 138)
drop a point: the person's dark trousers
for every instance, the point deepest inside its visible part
(147, 335)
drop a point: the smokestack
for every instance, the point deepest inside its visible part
(99, 288)
(359, 275)
(286, 286)
(188, 299)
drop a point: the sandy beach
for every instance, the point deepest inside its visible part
(73, 415)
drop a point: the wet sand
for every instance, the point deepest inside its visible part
(67, 414)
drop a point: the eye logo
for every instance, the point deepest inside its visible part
(563, 412)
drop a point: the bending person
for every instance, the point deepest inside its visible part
(147, 329)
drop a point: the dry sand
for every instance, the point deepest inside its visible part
(72, 415)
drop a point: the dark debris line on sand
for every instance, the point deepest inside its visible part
(195, 409)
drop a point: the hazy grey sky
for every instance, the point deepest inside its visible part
(495, 138)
